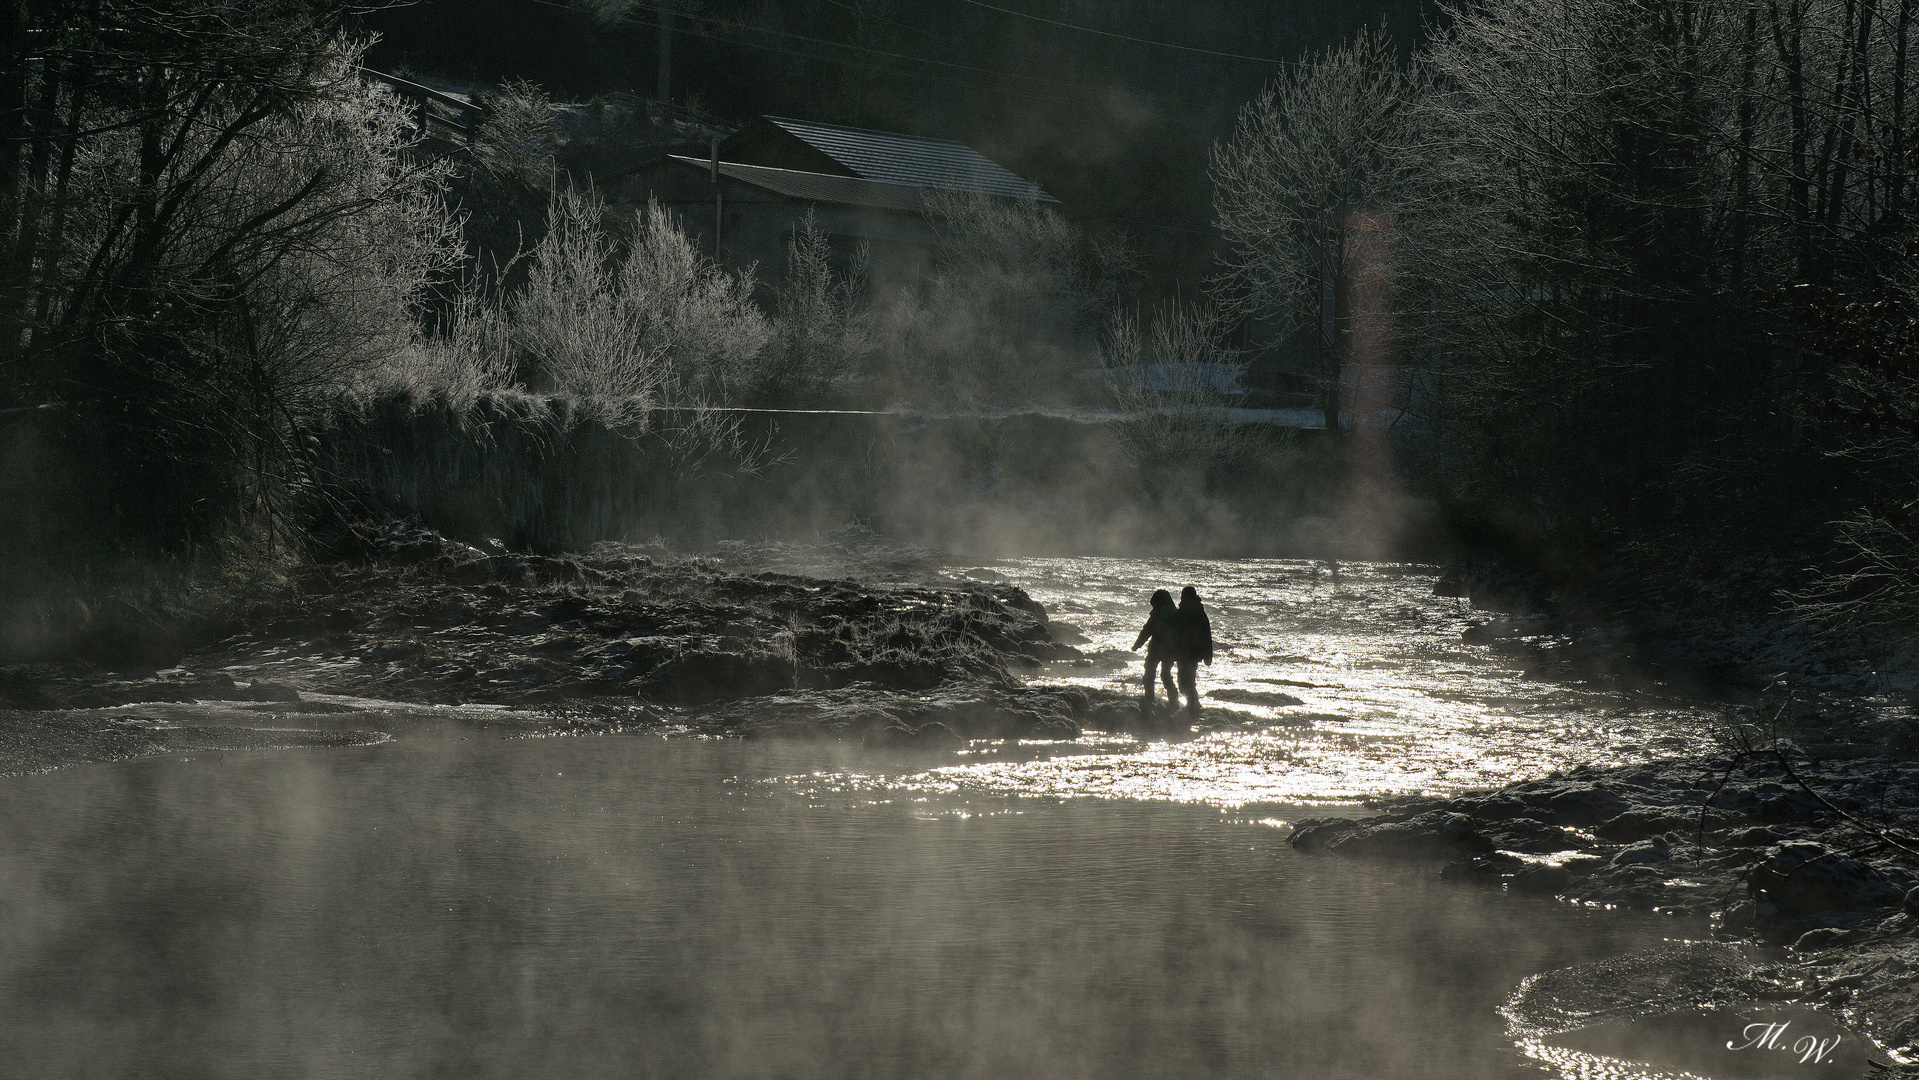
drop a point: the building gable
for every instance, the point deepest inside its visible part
(880, 156)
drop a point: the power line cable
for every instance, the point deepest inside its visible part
(737, 28)
(857, 13)
(1129, 37)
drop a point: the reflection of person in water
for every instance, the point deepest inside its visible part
(1157, 636)
(1192, 642)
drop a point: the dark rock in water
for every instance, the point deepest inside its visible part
(267, 691)
(1012, 596)
(1645, 851)
(1312, 835)
(716, 676)
(1253, 697)
(1643, 824)
(1539, 879)
(971, 711)
(216, 687)
(1824, 937)
(934, 736)
(1435, 834)
(1480, 871)
(1497, 806)
(1800, 879)
(1068, 634)
(1737, 919)
(892, 674)
(1530, 836)
(1057, 730)
(1574, 802)
(1770, 802)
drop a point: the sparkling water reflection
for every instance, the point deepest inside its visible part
(1391, 699)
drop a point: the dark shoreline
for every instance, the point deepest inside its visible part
(1775, 848)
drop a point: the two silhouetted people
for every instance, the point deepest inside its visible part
(1177, 637)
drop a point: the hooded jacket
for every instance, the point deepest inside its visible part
(1193, 632)
(1162, 630)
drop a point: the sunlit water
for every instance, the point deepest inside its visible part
(1392, 700)
(458, 904)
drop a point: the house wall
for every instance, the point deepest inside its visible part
(756, 223)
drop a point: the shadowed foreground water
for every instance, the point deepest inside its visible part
(631, 906)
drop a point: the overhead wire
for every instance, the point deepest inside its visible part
(1129, 37)
(739, 30)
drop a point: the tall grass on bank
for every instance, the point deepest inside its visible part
(535, 471)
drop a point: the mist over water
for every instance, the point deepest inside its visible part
(628, 905)
(456, 903)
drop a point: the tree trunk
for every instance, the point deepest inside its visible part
(13, 126)
(1787, 36)
(664, 91)
(1742, 176)
(1896, 166)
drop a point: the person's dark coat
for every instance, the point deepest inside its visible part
(1160, 635)
(1193, 633)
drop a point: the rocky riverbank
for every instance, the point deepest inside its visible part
(613, 637)
(1726, 629)
(1814, 858)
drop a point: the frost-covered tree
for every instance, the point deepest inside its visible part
(208, 220)
(1300, 188)
(656, 323)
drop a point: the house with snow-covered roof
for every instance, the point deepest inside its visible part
(868, 191)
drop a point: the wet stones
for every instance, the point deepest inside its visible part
(934, 737)
(1254, 697)
(1577, 803)
(1645, 851)
(699, 678)
(215, 687)
(867, 713)
(1528, 835)
(1437, 834)
(1799, 882)
(1633, 825)
(1314, 835)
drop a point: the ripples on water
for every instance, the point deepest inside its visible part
(1393, 701)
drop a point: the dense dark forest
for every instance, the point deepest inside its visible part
(1617, 291)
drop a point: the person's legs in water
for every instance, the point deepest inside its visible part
(1166, 676)
(1152, 662)
(1188, 684)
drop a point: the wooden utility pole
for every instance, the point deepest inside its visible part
(664, 92)
(719, 196)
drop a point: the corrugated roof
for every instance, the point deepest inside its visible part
(820, 187)
(912, 159)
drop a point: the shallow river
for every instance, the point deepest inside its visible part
(458, 904)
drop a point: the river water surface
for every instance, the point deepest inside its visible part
(456, 903)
